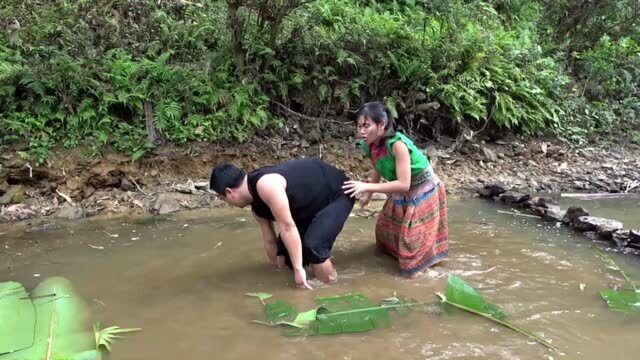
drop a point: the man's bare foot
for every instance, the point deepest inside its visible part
(325, 272)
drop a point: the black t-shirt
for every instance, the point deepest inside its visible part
(311, 185)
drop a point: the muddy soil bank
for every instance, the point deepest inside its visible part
(70, 185)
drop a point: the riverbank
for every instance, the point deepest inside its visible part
(71, 186)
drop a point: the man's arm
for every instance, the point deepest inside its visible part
(271, 189)
(268, 239)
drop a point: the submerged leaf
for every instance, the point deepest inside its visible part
(280, 311)
(625, 300)
(349, 313)
(459, 292)
(303, 319)
(261, 296)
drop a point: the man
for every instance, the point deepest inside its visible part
(305, 198)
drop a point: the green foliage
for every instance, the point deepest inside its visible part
(96, 73)
(107, 336)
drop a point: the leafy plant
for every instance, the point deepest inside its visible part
(107, 336)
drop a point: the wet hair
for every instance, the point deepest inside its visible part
(225, 176)
(377, 112)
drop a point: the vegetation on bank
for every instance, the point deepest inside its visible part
(130, 74)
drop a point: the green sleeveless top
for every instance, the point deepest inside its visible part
(385, 164)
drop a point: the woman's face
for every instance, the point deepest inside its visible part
(369, 130)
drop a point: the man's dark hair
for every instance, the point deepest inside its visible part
(225, 176)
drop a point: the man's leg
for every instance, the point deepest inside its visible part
(321, 234)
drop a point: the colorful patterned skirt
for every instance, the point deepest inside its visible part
(412, 226)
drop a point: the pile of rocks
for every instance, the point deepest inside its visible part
(576, 217)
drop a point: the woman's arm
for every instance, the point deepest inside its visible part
(403, 175)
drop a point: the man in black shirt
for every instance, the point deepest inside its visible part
(304, 197)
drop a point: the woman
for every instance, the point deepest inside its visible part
(412, 226)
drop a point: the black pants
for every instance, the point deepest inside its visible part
(320, 232)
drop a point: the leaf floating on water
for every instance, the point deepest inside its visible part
(582, 286)
(280, 311)
(349, 313)
(260, 296)
(623, 300)
(463, 296)
(459, 292)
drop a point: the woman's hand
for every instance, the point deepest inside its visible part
(365, 199)
(354, 188)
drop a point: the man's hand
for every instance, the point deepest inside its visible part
(280, 263)
(301, 278)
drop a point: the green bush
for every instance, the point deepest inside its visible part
(96, 73)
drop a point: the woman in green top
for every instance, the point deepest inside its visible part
(412, 226)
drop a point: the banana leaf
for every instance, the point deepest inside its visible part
(622, 300)
(17, 318)
(51, 324)
(459, 292)
(60, 329)
(337, 314)
(349, 313)
(461, 295)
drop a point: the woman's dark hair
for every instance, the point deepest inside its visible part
(225, 176)
(378, 113)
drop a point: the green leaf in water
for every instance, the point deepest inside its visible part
(459, 292)
(303, 319)
(280, 311)
(349, 313)
(261, 296)
(18, 318)
(464, 297)
(625, 300)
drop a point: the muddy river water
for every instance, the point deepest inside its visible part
(182, 279)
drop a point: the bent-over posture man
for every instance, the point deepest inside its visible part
(305, 198)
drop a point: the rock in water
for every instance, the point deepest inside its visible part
(573, 213)
(493, 190)
(620, 238)
(634, 239)
(511, 197)
(604, 227)
(553, 214)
